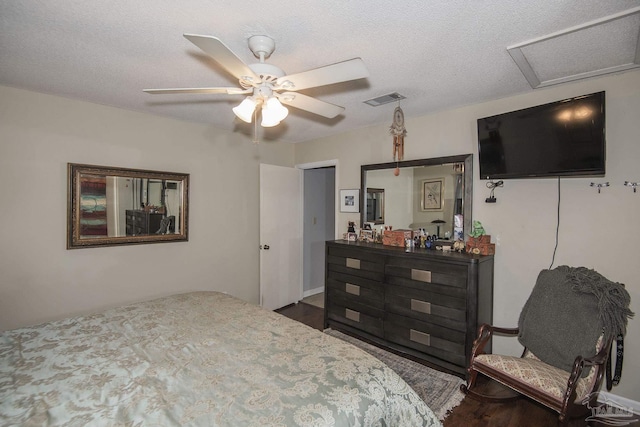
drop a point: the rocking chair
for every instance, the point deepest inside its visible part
(560, 313)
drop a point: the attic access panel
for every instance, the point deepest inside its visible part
(567, 55)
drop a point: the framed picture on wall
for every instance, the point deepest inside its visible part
(432, 192)
(350, 200)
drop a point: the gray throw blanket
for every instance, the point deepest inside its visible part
(568, 309)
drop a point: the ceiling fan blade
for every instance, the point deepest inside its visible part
(223, 55)
(351, 69)
(200, 90)
(310, 104)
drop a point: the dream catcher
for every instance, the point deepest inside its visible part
(398, 131)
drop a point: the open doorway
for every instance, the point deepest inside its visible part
(319, 225)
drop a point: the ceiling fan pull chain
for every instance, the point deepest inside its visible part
(255, 127)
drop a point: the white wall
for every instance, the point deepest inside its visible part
(598, 231)
(42, 280)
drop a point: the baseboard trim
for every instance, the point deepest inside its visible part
(313, 291)
(623, 402)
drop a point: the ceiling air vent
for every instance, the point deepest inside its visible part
(385, 99)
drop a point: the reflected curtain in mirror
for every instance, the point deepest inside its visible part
(109, 206)
(93, 206)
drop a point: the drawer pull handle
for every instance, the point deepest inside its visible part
(421, 275)
(352, 315)
(352, 289)
(353, 263)
(421, 306)
(419, 337)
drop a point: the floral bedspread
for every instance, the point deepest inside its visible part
(196, 359)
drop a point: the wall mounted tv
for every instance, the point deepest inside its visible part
(563, 138)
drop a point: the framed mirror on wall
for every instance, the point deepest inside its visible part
(434, 194)
(109, 206)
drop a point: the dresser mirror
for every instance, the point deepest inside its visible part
(433, 194)
(109, 206)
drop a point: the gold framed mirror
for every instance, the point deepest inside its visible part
(109, 206)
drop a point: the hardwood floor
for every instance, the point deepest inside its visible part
(308, 314)
(470, 413)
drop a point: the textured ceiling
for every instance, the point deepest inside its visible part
(439, 54)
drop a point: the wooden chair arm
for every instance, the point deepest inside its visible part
(485, 332)
(601, 357)
(579, 364)
(503, 331)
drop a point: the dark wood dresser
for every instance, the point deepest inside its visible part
(424, 303)
(139, 222)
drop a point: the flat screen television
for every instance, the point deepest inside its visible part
(563, 138)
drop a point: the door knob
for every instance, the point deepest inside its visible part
(265, 247)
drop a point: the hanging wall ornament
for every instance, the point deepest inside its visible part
(398, 131)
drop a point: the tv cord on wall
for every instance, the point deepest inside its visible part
(492, 185)
(557, 228)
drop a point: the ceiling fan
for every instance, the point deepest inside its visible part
(266, 85)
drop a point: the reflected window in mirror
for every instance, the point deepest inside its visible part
(109, 206)
(375, 205)
(404, 197)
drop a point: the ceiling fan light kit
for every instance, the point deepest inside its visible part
(244, 110)
(273, 112)
(268, 85)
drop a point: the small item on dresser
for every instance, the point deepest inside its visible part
(458, 227)
(458, 246)
(477, 230)
(367, 236)
(479, 242)
(427, 242)
(481, 245)
(396, 237)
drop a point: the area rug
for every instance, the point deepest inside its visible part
(440, 391)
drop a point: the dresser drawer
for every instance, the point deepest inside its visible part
(356, 289)
(356, 262)
(448, 277)
(429, 338)
(427, 306)
(357, 316)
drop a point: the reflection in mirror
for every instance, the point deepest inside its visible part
(109, 206)
(375, 205)
(433, 194)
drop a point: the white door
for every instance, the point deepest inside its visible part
(280, 236)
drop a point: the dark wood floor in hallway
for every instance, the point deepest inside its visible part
(470, 413)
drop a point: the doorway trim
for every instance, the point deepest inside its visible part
(323, 164)
(316, 165)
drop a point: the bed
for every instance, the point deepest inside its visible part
(197, 359)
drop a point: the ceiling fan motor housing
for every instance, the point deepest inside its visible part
(267, 72)
(262, 46)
